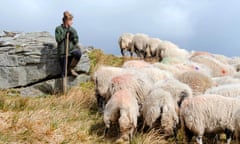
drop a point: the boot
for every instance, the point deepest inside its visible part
(73, 64)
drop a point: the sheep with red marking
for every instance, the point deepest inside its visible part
(122, 109)
(137, 84)
(217, 68)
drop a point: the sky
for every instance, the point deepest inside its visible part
(199, 25)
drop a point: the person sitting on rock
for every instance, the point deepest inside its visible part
(74, 54)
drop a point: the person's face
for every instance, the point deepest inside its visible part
(69, 22)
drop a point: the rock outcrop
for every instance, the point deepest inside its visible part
(30, 59)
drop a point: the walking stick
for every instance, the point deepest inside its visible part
(66, 66)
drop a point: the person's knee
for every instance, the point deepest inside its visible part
(77, 54)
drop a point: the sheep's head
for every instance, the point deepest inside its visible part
(100, 102)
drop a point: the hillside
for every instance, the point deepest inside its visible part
(72, 118)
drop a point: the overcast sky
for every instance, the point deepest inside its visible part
(205, 25)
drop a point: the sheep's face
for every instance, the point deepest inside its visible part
(100, 102)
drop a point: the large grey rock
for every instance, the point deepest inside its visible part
(27, 58)
(53, 86)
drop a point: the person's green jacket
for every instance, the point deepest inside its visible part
(60, 36)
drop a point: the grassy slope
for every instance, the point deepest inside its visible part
(59, 119)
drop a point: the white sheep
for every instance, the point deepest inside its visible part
(153, 48)
(237, 125)
(206, 114)
(175, 70)
(226, 80)
(139, 45)
(160, 105)
(169, 49)
(122, 108)
(178, 90)
(136, 64)
(138, 84)
(217, 68)
(234, 61)
(125, 43)
(230, 90)
(198, 82)
(223, 59)
(156, 74)
(102, 78)
(237, 75)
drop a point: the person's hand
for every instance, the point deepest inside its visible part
(70, 34)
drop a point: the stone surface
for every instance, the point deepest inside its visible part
(53, 86)
(28, 58)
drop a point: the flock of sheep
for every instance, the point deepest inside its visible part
(146, 47)
(196, 91)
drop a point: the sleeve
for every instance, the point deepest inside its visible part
(75, 36)
(59, 35)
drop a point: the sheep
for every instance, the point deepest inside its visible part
(156, 74)
(197, 81)
(136, 64)
(230, 90)
(237, 125)
(197, 53)
(122, 108)
(159, 105)
(139, 45)
(170, 68)
(153, 48)
(217, 68)
(178, 90)
(223, 59)
(206, 114)
(125, 43)
(175, 70)
(102, 77)
(169, 49)
(173, 60)
(138, 84)
(225, 80)
(234, 61)
(237, 67)
(237, 75)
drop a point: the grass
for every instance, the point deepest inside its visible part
(58, 119)
(73, 118)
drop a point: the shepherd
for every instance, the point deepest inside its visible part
(67, 44)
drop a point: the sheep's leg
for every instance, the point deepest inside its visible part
(229, 135)
(131, 134)
(101, 103)
(199, 139)
(106, 131)
(237, 137)
(122, 52)
(175, 130)
(188, 135)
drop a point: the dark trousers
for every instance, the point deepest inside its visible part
(75, 54)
